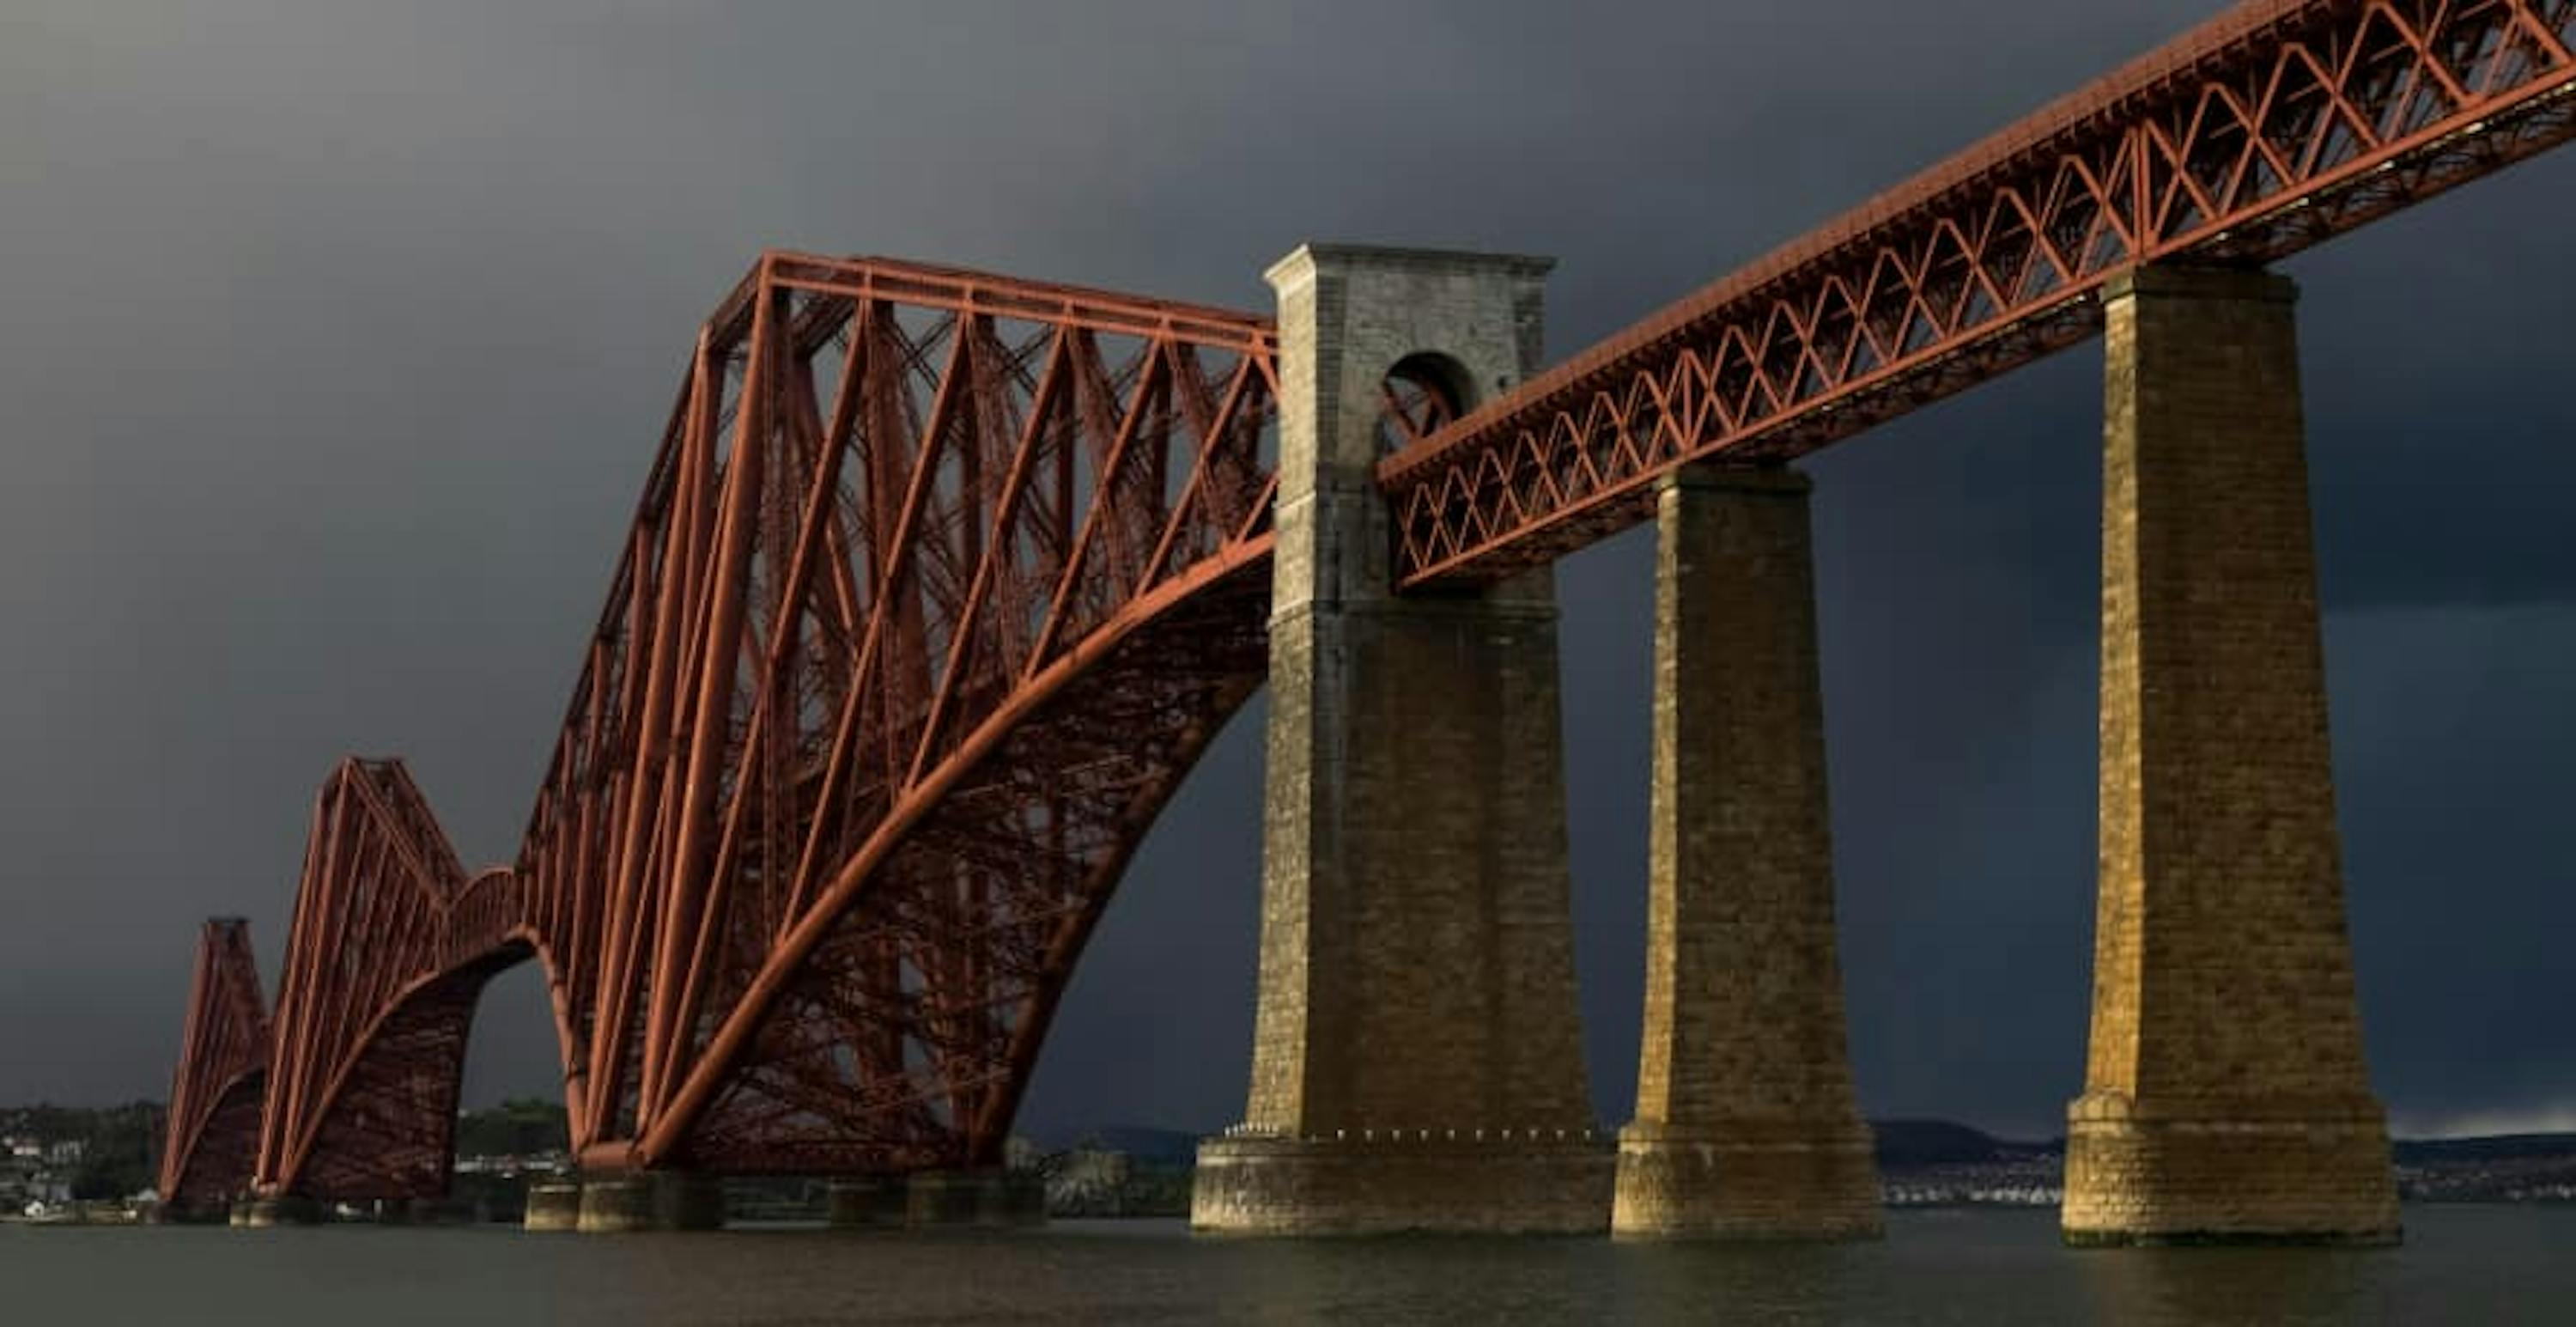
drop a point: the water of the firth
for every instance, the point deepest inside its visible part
(2459, 1265)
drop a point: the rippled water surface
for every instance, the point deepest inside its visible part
(2460, 1265)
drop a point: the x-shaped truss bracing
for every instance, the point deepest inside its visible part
(2278, 125)
(940, 584)
(213, 1126)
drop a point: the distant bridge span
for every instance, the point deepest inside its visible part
(941, 582)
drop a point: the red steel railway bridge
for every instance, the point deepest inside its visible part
(941, 582)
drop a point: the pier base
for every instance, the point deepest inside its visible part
(286, 1210)
(993, 1199)
(553, 1207)
(2228, 1176)
(1252, 1185)
(867, 1204)
(1803, 1182)
(651, 1200)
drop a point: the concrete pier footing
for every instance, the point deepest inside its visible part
(420, 1212)
(1746, 1124)
(1417, 963)
(2226, 1099)
(553, 1206)
(283, 1210)
(650, 1200)
(1399, 1180)
(988, 1198)
(869, 1203)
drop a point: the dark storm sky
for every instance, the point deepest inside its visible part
(335, 337)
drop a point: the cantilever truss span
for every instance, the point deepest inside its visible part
(391, 946)
(939, 585)
(223, 1074)
(2274, 127)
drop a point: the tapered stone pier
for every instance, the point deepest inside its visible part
(2225, 1095)
(1417, 1061)
(1746, 1126)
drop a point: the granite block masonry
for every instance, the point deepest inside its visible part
(2225, 1095)
(1746, 1126)
(1417, 1061)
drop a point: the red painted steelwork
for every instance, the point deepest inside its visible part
(391, 945)
(939, 585)
(213, 1137)
(2278, 125)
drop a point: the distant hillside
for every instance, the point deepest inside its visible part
(1142, 1142)
(2500, 1147)
(1913, 1144)
(513, 1129)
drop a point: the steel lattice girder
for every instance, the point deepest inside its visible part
(213, 1127)
(940, 583)
(391, 944)
(2276, 126)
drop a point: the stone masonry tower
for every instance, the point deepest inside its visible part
(1418, 1058)
(2225, 1096)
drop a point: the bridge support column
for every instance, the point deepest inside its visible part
(650, 1200)
(1746, 1126)
(2225, 1095)
(1417, 1060)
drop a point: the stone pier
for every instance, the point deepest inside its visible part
(553, 1207)
(650, 1200)
(1746, 1126)
(1417, 1060)
(289, 1209)
(867, 1203)
(991, 1198)
(2225, 1095)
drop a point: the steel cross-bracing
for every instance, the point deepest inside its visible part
(2277, 125)
(941, 582)
(390, 948)
(216, 1096)
(940, 585)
